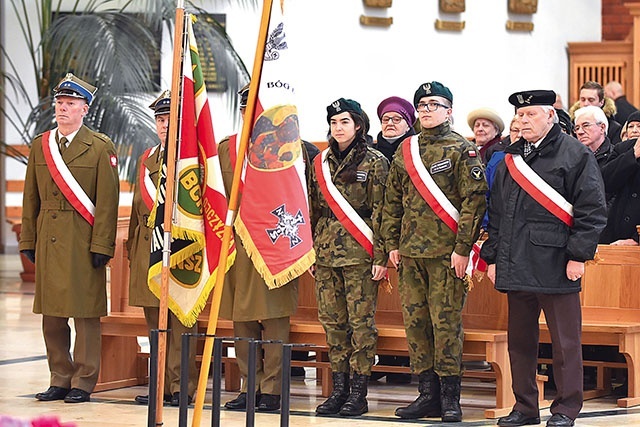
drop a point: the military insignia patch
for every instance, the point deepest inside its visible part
(361, 176)
(441, 166)
(473, 153)
(477, 173)
(114, 160)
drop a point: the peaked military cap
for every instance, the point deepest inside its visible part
(528, 98)
(432, 89)
(244, 95)
(341, 105)
(162, 105)
(72, 86)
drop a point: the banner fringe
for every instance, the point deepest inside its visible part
(273, 281)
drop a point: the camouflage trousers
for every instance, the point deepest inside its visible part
(347, 299)
(432, 300)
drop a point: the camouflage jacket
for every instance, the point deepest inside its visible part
(334, 245)
(409, 224)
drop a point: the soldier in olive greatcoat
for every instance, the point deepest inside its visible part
(69, 218)
(139, 249)
(434, 204)
(257, 311)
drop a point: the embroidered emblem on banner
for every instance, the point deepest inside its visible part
(441, 166)
(275, 42)
(361, 176)
(287, 226)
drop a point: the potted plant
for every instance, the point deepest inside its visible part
(106, 44)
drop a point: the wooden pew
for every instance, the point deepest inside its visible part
(610, 302)
(123, 365)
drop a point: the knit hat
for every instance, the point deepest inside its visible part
(400, 106)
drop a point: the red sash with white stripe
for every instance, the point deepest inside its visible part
(341, 208)
(65, 180)
(538, 188)
(427, 187)
(147, 187)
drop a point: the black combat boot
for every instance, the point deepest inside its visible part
(450, 399)
(356, 404)
(428, 403)
(338, 396)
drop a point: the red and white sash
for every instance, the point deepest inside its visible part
(436, 199)
(147, 187)
(341, 208)
(538, 188)
(427, 187)
(65, 180)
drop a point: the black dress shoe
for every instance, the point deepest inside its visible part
(269, 403)
(52, 393)
(240, 402)
(144, 399)
(559, 420)
(77, 395)
(517, 418)
(175, 399)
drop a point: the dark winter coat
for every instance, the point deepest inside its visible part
(529, 245)
(622, 178)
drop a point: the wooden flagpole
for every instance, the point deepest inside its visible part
(178, 53)
(233, 205)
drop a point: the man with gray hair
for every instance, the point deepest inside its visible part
(591, 127)
(546, 212)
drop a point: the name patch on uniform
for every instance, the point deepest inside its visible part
(441, 166)
(477, 173)
(361, 176)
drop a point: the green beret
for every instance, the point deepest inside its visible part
(342, 105)
(432, 89)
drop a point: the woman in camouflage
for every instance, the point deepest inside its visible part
(346, 192)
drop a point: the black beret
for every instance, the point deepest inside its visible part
(528, 98)
(634, 117)
(432, 89)
(342, 105)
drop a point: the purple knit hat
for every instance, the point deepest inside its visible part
(400, 106)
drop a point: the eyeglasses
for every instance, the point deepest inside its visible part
(430, 106)
(584, 127)
(395, 120)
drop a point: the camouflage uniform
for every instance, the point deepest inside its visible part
(432, 296)
(346, 293)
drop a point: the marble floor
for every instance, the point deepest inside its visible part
(23, 372)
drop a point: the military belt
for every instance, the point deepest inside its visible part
(56, 205)
(363, 212)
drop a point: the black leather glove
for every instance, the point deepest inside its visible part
(30, 254)
(99, 260)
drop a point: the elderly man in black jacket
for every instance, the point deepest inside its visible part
(546, 211)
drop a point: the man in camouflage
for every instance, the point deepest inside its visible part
(432, 258)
